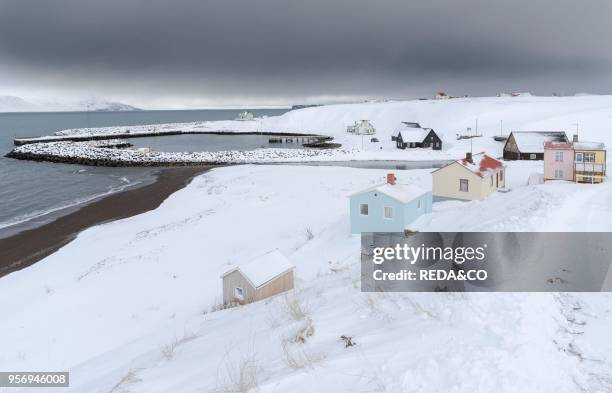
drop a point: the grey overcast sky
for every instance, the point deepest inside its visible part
(175, 53)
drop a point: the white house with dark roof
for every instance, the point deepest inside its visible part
(262, 277)
(471, 178)
(388, 207)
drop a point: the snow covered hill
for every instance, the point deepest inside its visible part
(18, 104)
(131, 306)
(592, 115)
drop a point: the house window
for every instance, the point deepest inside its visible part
(558, 173)
(463, 185)
(589, 157)
(532, 156)
(578, 157)
(559, 156)
(388, 212)
(419, 204)
(239, 293)
(363, 209)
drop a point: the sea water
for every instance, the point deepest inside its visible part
(31, 193)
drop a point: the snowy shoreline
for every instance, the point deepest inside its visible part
(448, 118)
(22, 245)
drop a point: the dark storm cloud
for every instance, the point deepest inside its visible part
(250, 48)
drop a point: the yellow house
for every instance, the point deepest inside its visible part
(471, 178)
(590, 161)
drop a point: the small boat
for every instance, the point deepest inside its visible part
(468, 134)
(465, 136)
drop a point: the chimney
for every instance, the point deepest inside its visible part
(391, 178)
(575, 138)
(468, 157)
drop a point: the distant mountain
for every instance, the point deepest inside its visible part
(18, 104)
(107, 106)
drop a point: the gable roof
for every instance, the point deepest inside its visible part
(481, 164)
(411, 132)
(264, 268)
(403, 193)
(415, 135)
(533, 141)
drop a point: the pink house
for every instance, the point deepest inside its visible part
(559, 161)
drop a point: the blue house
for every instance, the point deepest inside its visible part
(388, 207)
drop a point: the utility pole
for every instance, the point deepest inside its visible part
(576, 128)
(576, 134)
(472, 146)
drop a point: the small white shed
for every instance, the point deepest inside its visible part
(264, 276)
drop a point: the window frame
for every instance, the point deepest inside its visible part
(559, 156)
(239, 293)
(467, 185)
(385, 212)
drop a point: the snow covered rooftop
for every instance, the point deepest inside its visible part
(403, 193)
(411, 132)
(589, 146)
(480, 165)
(533, 141)
(416, 135)
(265, 268)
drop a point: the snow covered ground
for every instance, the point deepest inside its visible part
(592, 114)
(129, 306)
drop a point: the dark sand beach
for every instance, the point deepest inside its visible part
(30, 246)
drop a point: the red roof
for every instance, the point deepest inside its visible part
(481, 163)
